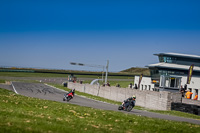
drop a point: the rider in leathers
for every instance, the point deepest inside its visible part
(130, 100)
(71, 91)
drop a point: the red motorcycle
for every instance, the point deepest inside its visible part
(68, 96)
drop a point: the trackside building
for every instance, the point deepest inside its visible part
(171, 73)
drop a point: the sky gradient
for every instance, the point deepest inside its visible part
(51, 34)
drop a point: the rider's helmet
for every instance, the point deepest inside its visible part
(73, 90)
(134, 97)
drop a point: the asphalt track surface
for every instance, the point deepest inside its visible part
(42, 91)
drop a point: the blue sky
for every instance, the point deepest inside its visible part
(51, 34)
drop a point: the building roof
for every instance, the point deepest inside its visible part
(173, 66)
(179, 55)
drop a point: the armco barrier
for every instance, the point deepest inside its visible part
(149, 99)
(188, 108)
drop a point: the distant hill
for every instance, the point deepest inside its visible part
(62, 71)
(137, 71)
(128, 72)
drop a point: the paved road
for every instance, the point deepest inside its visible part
(42, 91)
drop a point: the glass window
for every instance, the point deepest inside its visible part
(178, 83)
(172, 82)
(167, 82)
(161, 59)
(165, 59)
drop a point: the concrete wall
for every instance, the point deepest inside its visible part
(148, 99)
(191, 101)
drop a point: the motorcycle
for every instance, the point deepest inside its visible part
(68, 96)
(129, 107)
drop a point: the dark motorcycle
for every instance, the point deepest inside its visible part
(128, 108)
(68, 96)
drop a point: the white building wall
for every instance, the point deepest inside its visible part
(194, 84)
(145, 83)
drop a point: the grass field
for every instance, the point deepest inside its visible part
(123, 84)
(26, 74)
(24, 114)
(2, 81)
(54, 75)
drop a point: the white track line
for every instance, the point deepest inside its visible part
(56, 88)
(14, 88)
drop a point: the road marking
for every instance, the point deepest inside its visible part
(14, 88)
(56, 88)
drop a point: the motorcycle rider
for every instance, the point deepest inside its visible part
(130, 100)
(71, 91)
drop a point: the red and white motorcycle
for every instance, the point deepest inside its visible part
(68, 96)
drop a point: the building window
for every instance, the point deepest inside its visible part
(161, 59)
(168, 81)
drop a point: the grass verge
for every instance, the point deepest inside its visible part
(24, 114)
(123, 84)
(26, 74)
(2, 81)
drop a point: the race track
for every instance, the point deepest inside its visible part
(40, 90)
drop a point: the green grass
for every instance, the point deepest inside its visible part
(2, 81)
(100, 77)
(123, 84)
(26, 74)
(138, 71)
(23, 74)
(24, 114)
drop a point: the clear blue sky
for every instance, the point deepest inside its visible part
(51, 34)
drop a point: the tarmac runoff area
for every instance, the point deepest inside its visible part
(42, 91)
